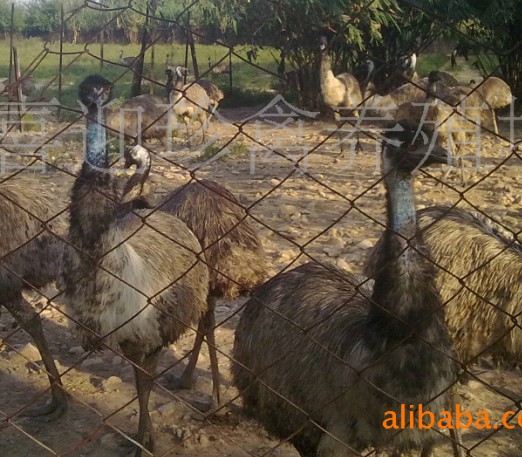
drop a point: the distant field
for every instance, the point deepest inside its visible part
(250, 84)
(245, 77)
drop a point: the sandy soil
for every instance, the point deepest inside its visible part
(293, 209)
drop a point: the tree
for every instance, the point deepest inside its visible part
(493, 29)
(42, 17)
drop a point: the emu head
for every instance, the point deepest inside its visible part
(138, 156)
(408, 147)
(323, 43)
(181, 71)
(94, 91)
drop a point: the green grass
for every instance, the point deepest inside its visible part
(250, 84)
(433, 61)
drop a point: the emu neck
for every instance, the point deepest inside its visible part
(326, 67)
(404, 298)
(402, 217)
(96, 141)
(179, 82)
(136, 186)
(94, 194)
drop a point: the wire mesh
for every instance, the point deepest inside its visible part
(306, 178)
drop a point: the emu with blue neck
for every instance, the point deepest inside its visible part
(315, 346)
(404, 293)
(94, 92)
(94, 195)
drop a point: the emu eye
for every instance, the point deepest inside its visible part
(108, 90)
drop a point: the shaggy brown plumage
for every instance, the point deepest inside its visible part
(215, 94)
(338, 91)
(131, 279)
(489, 261)
(232, 248)
(497, 94)
(29, 253)
(145, 116)
(315, 350)
(26, 82)
(233, 251)
(190, 102)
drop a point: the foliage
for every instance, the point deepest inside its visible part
(494, 37)
(382, 30)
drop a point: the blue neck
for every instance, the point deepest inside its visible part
(402, 217)
(96, 153)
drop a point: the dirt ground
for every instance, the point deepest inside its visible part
(294, 209)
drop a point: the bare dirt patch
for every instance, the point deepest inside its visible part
(332, 213)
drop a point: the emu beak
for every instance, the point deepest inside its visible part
(431, 153)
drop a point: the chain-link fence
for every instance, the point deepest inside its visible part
(285, 175)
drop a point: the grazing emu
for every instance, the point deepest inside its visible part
(215, 94)
(438, 112)
(233, 251)
(341, 92)
(131, 279)
(320, 359)
(29, 253)
(411, 93)
(497, 94)
(25, 82)
(219, 68)
(143, 117)
(489, 262)
(190, 102)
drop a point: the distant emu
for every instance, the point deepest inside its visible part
(319, 358)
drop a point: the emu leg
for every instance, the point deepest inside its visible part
(211, 342)
(205, 328)
(456, 442)
(358, 147)
(426, 451)
(30, 321)
(454, 153)
(144, 370)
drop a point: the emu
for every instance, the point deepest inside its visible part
(144, 117)
(219, 68)
(233, 251)
(215, 94)
(25, 82)
(497, 94)
(132, 279)
(489, 261)
(320, 357)
(29, 248)
(341, 92)
(127, 61)
(190, 102)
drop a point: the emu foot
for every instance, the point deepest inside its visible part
(131, 449)
(49, 411)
